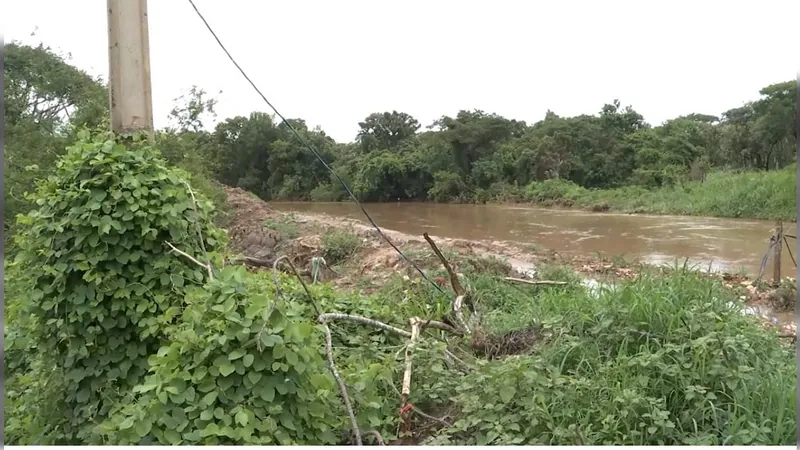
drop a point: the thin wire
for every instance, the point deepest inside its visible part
(311, 149)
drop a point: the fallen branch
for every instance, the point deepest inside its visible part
(376, 435)
(535, 282)
(342, 388)
(429, 417)
(450, 357)
(383, 326)
(191, 258)
(250, 261)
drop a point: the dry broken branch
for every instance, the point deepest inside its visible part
(191, 258)
(458, 314)
(383, 326)
(342, 388)
(376, 435)
(789, 249)
(278, 291)
(197, 223)
(535, 282)
(250, 261)
(453, 278)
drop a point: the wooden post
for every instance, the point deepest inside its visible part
(776, 260)
(129, 67)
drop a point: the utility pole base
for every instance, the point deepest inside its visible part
(129, 67)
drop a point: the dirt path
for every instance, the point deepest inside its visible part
(258, 231)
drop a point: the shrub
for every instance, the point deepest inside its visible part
(337, 246)
(236, 371)
(103, 283)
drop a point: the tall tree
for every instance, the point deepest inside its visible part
(386, 131)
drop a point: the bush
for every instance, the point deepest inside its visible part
(103, 282)
(235, 370)
(337, 246)
(554, 192)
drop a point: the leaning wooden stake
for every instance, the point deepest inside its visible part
(406, 389)
(776, 259)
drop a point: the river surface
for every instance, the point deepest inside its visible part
(719, 244)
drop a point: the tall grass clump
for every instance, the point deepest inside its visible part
(658, 361)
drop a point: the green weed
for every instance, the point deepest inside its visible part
(337, 246)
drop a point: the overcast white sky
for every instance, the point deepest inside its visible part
(334, 62)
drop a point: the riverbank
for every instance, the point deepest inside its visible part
(366, 262)
(747, 195)
(652, 356)
(594, 353)
(742, 195)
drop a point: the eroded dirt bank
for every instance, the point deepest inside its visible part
(262, 233)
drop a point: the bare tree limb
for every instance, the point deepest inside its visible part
(363, 321)
(376, 435)
(255, 261)
(278, 291)
(383, 326)
(342, 388)
(535, 282)
(789, 249)
(453, 278)
(458, 314)
(197, 223)
(191, 258)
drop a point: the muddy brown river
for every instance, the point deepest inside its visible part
(719, 244)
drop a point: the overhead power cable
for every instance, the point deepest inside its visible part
(312, 150)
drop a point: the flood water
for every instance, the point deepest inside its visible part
(719, 244)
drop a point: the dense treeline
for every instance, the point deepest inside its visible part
(476, 156)
(472, 157)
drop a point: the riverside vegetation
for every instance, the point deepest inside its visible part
(740, 164)
(124, 325)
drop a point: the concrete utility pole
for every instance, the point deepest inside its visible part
(129, 67)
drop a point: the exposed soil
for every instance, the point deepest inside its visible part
(376, 261)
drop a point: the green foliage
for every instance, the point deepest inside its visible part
(103, 281)
(660, 361)
(234, 371)
(338, 245)
(758, 195)
(285, 225)
(44, 101)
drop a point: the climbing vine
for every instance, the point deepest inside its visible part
(104, 283)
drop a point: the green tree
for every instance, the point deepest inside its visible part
(386, 131)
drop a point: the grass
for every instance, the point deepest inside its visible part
(662, 359)
(339, 245)
(285, 225)
(754, 195)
